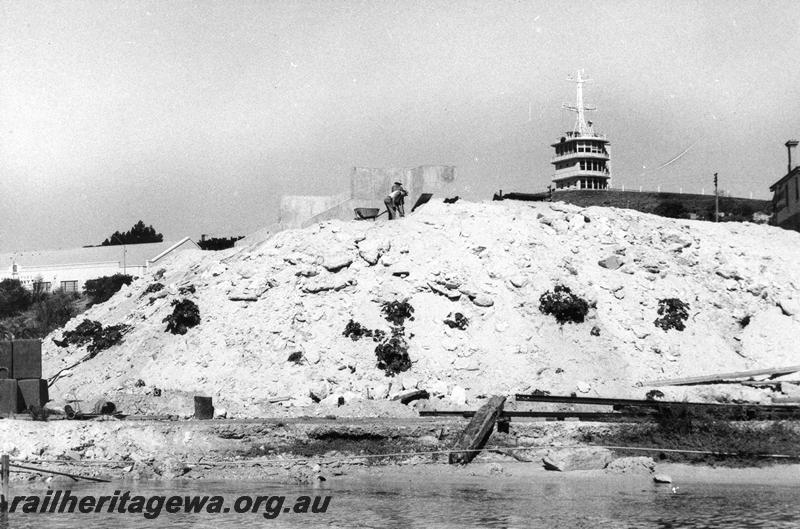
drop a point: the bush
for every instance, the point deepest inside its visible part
(14, 298)
(355, 331)
(672, 313)
(459, 321)
(564, 305)
(672, 209)
(80, 335)
(184, 316)
(93, 333)
(18, 327)
(101, 289)
(106, 338)
(393, 355)
(153, 287)
(53, 311)
(397, 312)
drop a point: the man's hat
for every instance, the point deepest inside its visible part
(398, 184)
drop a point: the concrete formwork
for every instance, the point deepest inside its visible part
(296, 209)
(371, 185)
(368, 187)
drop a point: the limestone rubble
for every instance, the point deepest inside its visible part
(296, 291)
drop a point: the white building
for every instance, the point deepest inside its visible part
(581, 157)
(69, 269)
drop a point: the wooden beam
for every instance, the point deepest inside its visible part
(601, 401)
(474, 437)
(5, 468)
(709, 379)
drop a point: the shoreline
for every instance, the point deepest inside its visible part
(303, 449)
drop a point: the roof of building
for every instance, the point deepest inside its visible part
(134, 254)
(787, 176)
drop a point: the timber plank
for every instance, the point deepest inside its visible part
(719, 377)
(477, 432)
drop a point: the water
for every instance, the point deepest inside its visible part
(547, 501)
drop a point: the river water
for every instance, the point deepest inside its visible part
(547, 501)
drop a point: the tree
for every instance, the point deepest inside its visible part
(732, 210)
(14, 298)
(218, 243)
(138, 234)
(52, 311)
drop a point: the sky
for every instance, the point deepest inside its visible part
(197, 116)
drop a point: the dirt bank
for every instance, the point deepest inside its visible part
(272, 315)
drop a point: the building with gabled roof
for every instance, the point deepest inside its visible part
(68, 269)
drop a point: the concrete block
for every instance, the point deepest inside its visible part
(9, 397)
(203, 408)
(27, 360)
(6, 357)
(33, 392)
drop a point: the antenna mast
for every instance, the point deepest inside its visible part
(581, 127)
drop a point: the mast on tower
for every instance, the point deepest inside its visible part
(581, 126)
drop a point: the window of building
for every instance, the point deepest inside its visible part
(41, 286)
(69, 286)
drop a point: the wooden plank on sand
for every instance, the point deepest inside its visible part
(474, 437)
(709, 379)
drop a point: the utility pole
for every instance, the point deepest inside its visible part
(716, 199)
(124, 254)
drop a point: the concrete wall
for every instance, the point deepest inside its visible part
(369, 186)
(296, 209)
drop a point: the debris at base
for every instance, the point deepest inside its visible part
(577, 459)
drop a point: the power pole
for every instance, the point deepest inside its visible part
(716, 199)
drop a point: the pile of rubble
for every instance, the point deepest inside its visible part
(273, 315)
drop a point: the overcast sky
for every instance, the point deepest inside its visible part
(195, 116)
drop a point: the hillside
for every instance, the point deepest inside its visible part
(296, 293)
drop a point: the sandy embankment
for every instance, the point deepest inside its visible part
(293, 295)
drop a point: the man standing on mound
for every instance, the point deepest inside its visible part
(395, 202)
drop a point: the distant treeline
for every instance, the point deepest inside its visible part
(218, 243)
(138, 234)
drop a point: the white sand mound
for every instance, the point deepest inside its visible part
(490, 261)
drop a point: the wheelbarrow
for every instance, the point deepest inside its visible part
(368, 213)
